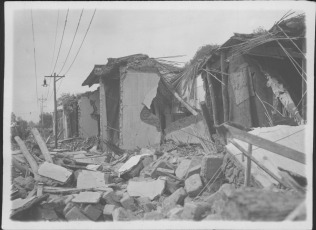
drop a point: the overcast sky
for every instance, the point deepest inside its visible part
(115, 33)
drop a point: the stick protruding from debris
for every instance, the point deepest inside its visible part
(42, 145)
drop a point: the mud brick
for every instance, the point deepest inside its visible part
(193, 185)
(92, 212)
(75, 214)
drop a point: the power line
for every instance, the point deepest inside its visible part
(61, 41)
(51, 64)
(34, 56)
(81, 42)
(71, 42)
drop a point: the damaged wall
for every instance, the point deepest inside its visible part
(89, 114)
(134, 132)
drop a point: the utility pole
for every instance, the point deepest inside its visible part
(42, 100)
(55, 105)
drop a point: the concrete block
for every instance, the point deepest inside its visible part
(87, 197)
(194, 170)
(192, 211)
(92, 212)
(193, 185)
(175, 198)
(146, 204)
(183, 168)
(153, 216)
(175, 213)
(146, 188)
(120, 214)
(75, 214)
(128, 202)
(209, 166)
(108, 209)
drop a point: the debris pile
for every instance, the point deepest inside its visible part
(167, 182)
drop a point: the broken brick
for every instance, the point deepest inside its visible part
(175, 213)
(128, 202)
(146, 204)
(110, 197)
(68, 207)
(175, 198)
(92, 212)
(193, 185)
(183, 168)
(172, 185)
(193, 211)
(120, 214)
(194, 170)
(209, 166)
(75, 214)
(108, 209)
(153, 216)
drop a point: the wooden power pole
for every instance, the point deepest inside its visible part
(55, 106)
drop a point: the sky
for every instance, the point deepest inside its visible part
(113, 33)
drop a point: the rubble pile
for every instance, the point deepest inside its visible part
(167, 182)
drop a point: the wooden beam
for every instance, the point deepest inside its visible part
(224, 87)
(304, 86)
(27, 155)
(248, 169)
(207, 119)
(258, 163)
(266, 144)
(274, 52)
(42, 145)
(212, 96)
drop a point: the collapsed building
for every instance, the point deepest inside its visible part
(205, 153)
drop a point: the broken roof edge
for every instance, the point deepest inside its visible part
(91, 79)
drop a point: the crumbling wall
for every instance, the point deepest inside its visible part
(134, 132)
(89, 114)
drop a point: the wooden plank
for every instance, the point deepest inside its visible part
(258, 163)
(266, 144)
(87, 197)
(248, 169)
(27, 155)
(224, 86)
(42, 145)
(63, 190)
(212, 96)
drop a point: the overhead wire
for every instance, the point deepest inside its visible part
(61, 42)
(78, 49)
(51, 64)
(34, 56)
(81, 42)
(73, 39)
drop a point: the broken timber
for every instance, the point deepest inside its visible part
(263, 143)
(212, 96)
(42, 145)
(224, 86)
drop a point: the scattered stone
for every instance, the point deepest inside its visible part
(194, 170)
(193, 211)
(209, 166)
(128, 202)
(130, 163)
(153, 216)
(172, 185)
(57, 203)
(146, 204)
(175, 213)
(193, 185)
(107, 178)
(147, 161)
(146, 188)
(108, 209)
(91, 179)
(87, 197)
(48, 214)
(67, 208)
(75, 214)
(159, 164)
(54, 172)
(120, 214)
(92, 212)
(111, 197)
(227, 189)
(183, 168)
(175, 198)
(188, 199)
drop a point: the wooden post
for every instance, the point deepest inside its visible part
(212, 96)
(304, 88)
(103, 115)
(42, 145)
(266, 144)
(258, 163)
(27, 155)
(248, 169)
(207, 119)
(224, 87)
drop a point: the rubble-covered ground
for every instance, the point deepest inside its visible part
(167, 182)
